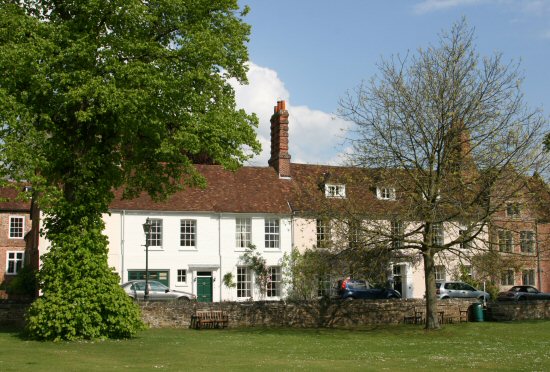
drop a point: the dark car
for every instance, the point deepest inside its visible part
(349, 289)
(157, 291)
(523, 293)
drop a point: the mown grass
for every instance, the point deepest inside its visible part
(518, 346)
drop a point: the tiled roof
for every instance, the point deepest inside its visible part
(247, 190)
(360, 183)
(9, 202)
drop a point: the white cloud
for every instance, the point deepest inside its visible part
(427, 6)
(314, 135)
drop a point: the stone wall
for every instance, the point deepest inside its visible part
(12, 314)
(339, 314)
(525, 310)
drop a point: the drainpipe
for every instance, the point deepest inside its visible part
(122, 222)
(539, 286)
(292, 213)
(220, 253)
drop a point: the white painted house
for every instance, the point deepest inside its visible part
(199, 235)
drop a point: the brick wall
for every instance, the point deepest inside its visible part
(11, 245)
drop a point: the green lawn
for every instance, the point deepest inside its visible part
(467, 346)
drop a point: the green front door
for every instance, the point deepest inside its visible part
(204, 287)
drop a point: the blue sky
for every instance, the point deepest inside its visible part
(310, 52)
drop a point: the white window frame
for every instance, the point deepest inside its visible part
(528, 277)
(505, 241)
(15, 261)
(181, 276)
(155, 233)
(19, 229)
(188, 233)
(274, 282)
(385, 193)
(397, 234)
(355, 233)
(440, 273)
(243, 232)
(335, 190)
(272, 234)
(508, 277)
(527, 241)
(323, 233)
(244, 282)
(438, 234)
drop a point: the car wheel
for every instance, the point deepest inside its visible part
(183, 299)
(522, 298)
(481, 298)
(392, 297)
(445, 298)
(349, 299)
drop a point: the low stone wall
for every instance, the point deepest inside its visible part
(336, 314)
(339, 314)
(12, 314)
(524, 310)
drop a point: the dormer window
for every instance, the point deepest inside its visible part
(335, 191)
(385, 193)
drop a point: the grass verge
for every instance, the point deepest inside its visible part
(458, 347)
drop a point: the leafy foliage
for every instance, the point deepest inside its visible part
(82, 297)
(257, 263)
(113, 94)
(229, 280)
(302, 273)
(24, 283)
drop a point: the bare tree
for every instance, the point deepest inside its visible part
(451, 136)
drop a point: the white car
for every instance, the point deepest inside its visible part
(157, 291)
(446, 290)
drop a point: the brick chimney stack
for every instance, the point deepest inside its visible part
(280, 159)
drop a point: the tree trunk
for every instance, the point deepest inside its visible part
(432, 321)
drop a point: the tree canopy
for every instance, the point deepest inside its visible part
(105, 94)
(451, 134)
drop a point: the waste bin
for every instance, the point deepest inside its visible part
(477, 311)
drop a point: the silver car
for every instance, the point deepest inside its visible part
(157, 291)
(446, 290)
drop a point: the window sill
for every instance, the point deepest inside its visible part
(187, 249)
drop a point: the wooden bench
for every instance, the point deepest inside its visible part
(209, 319)
(417, 318)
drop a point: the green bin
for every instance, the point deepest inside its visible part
(477, 311)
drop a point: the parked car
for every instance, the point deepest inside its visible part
(157, 291)
(349, 289)
(522, 293)
(446, 290)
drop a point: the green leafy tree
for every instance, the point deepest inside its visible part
(112, 94)
(452, 134)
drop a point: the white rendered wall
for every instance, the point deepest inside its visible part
(215, 249)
